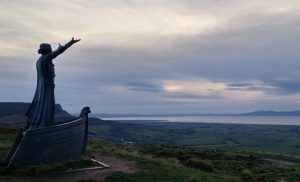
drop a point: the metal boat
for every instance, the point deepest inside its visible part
(60, 142)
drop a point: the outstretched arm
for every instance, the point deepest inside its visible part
(61, 48)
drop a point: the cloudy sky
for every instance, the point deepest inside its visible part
(158, 56)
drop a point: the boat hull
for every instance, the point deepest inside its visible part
(57, 143)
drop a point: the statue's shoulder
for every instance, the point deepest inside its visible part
(45, 58)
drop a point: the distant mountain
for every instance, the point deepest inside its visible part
(20, 108)
(13, 113)
(273, 113)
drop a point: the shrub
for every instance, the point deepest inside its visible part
(199, 164)
(247, 176)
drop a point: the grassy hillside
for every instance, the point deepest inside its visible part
(162, 163)
(259, 138)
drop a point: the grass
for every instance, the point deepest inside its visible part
(262, 138)
(7, 137)
(190, 164)
(167, 163)
(82, 162)
(154, 168)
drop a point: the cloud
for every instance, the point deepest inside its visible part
(144, 87)
(286, 86)
(151, 56)
(270, 87)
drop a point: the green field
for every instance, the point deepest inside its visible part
(276, 139)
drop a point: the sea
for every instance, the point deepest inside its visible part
(264, 120)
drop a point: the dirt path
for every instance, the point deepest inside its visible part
(281, 161)
(116, 163)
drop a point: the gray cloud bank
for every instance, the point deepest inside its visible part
(158, 56)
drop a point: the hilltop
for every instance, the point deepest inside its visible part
(154, 163)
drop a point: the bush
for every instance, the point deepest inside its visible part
(247, 176)
(199, 164)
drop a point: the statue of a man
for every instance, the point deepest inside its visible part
(42, 109)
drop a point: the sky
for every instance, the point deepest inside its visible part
(158, 56)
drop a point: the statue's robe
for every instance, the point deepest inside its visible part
(42, 109)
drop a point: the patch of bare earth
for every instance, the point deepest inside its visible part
(115, 163)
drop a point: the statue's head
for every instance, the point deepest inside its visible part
(45, 48)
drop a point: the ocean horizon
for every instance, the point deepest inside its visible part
(263, 120)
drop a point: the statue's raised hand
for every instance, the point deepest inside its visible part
(74, 40)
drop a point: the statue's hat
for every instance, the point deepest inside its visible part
(45, 47)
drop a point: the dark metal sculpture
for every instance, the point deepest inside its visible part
(44, 141)
(57, 143)
(42, 109)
